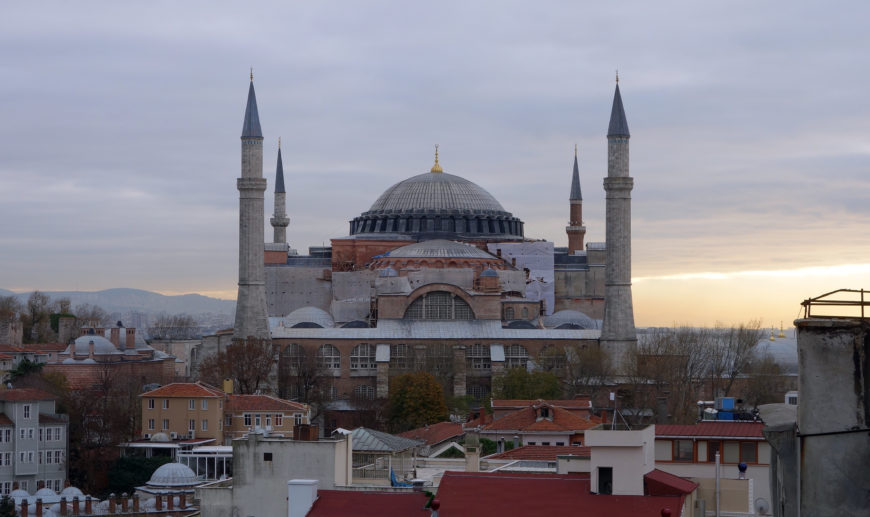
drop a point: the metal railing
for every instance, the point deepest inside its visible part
(832, 299)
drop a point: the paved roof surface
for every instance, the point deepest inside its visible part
(185, 389)
(365, 439)
(24, 394)
(435, 433)
(261, 403)
(659, 482)
(542, 452)
(712, 429)
(340, 503)
(523, 494)
(526, 420)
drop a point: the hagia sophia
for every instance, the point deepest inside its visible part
(438, 276)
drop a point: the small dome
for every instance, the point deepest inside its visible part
(569, 319)
(160, 437)
(309, 315)
(71, 491)
(102, 346)
(18, 492)
(173, 474)
(489, 272)
(45, 492)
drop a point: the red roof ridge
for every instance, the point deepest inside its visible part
(185, 390)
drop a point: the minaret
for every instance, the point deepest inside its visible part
(251, 303)
(575, 229)
(618, 335)
(279, 219)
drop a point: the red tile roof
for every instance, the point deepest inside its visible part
(49, 419)
(482, 420)
(508, 494)
(717, 429)
(526, 420)
(541, 452)
(262, 403)
(14, 349)
(6, 356)
(47, 347)
(24, 394)
(340, 503)
(520, 403)
(435, 433)
(185, 390)
(4, 420)
(659, 482)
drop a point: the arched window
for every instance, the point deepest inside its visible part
(516, 356)
(362, 357)
(364, 392)
(328, 357)
(509, 314)
(478, 358)
(439, 305)
(400, 357)
(291, 358)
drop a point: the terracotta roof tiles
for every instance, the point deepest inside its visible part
(24, 394)
(435, 433)
(712, 429)
(262, 403)
(527, 420)
(659, 482)
(185, 390)
(339, 503)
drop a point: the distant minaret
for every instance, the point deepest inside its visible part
(279, 219)
(618, 335)
(251, 303)
(575, 229)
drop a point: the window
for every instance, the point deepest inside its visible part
(364, 392)
(477, 357)
(26, 410)
(509, 313)
(150, 423)
(748, 452)
(515, 356)
(279, 419)
(269, 420)
(247, 417)
(257, 420)
(297, 418)
(21, 457)
(39, 455)
(560, 444)
(712, 449)
(6, 435)
(683, 450)
(328, 357)
(205, 425)
(204, 404)
(150, 403)
(58, 457)
(291, 358)
(29, 456)
(22, 432)
(732, 452)
(525, 313)
(362, 357)
(30, 433)
(400, 357)
(545, 443)
(40, 433)
(267, 456)
(165, 403)
(229, 420)
(191, 404)
(478, 391)
(24, 485)
(5, 487)
(191, 425)
(439, 305)
(165, 424)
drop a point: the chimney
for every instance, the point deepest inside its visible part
(115, 336)
(301, 494)
(170, 502)
(306, 432)
(516, 441)
(434, 506)
(113, 503)
(91, 349)
(39, 507)
(158, 502)
(23, 512)
(63, 506)
(76, 505)
(130, 342)
(228, 386)
(135, 503)
(89, 509)
(472, 453)
(123, 499)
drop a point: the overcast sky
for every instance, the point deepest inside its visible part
(119, 141)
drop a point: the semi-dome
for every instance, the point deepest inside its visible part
(568, 319)
(173, 474)
(308, 317)
(439, 248)
(437, 204)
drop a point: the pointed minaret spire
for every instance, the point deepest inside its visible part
(575, 229)
(279, 219)
(251, 126)
(618, 124)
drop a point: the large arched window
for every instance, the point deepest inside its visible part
(478, 357)
(328, 357)
(364, 392)
(516, 356)
(439, 305)
(362, 357)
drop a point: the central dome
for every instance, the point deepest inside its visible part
(436, 191)
(437, 205)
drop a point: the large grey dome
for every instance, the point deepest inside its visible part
(437, 205)
(173, 474)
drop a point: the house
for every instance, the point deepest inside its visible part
(242, 413)
(580, 406)
(540, 423)
(33, 441)
(435, 436)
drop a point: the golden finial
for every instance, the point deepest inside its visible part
(252, 74)
(771, 335)
(437, 166)
(781, 331)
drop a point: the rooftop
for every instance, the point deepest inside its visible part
(435, 433)
(185, 390)
(542, 452)
(369, 440)
(717, 429)
(23, 394)
(527, 420)
(339, 503)
(262, 403)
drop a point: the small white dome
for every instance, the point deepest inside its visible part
(173, 474)
(102, 346)
(71, 491)
(45, 492)
(19, 493)
(160, 437)
(308, 315)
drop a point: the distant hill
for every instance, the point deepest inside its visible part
(123, 300)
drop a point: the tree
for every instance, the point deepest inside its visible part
(93, 315)
(519, 383)
(25, 367)
(302, 378)
(732, 350)
(10, 308)
(128, 472)
(416, 399)
(248, 362)
(36, 321)
(174, 326)
(586, 371)
(7, 507)
(764, 383)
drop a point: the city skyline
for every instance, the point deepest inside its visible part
(749, 137)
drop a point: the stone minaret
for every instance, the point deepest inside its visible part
(618, 335)
(279, 219)
(251, 303)
(575, 229)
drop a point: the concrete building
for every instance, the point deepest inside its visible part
(820, 446)
(33, 441)
(436, 275)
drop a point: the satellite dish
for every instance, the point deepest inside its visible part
(762, 507)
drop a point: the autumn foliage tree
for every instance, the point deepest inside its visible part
(416, 399)
(247, 362)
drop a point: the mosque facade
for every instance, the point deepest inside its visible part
(438, 276)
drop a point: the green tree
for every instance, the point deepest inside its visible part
(7, 507)
(128, 472)
(416, 399)
(25, 367)
(519, 383)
